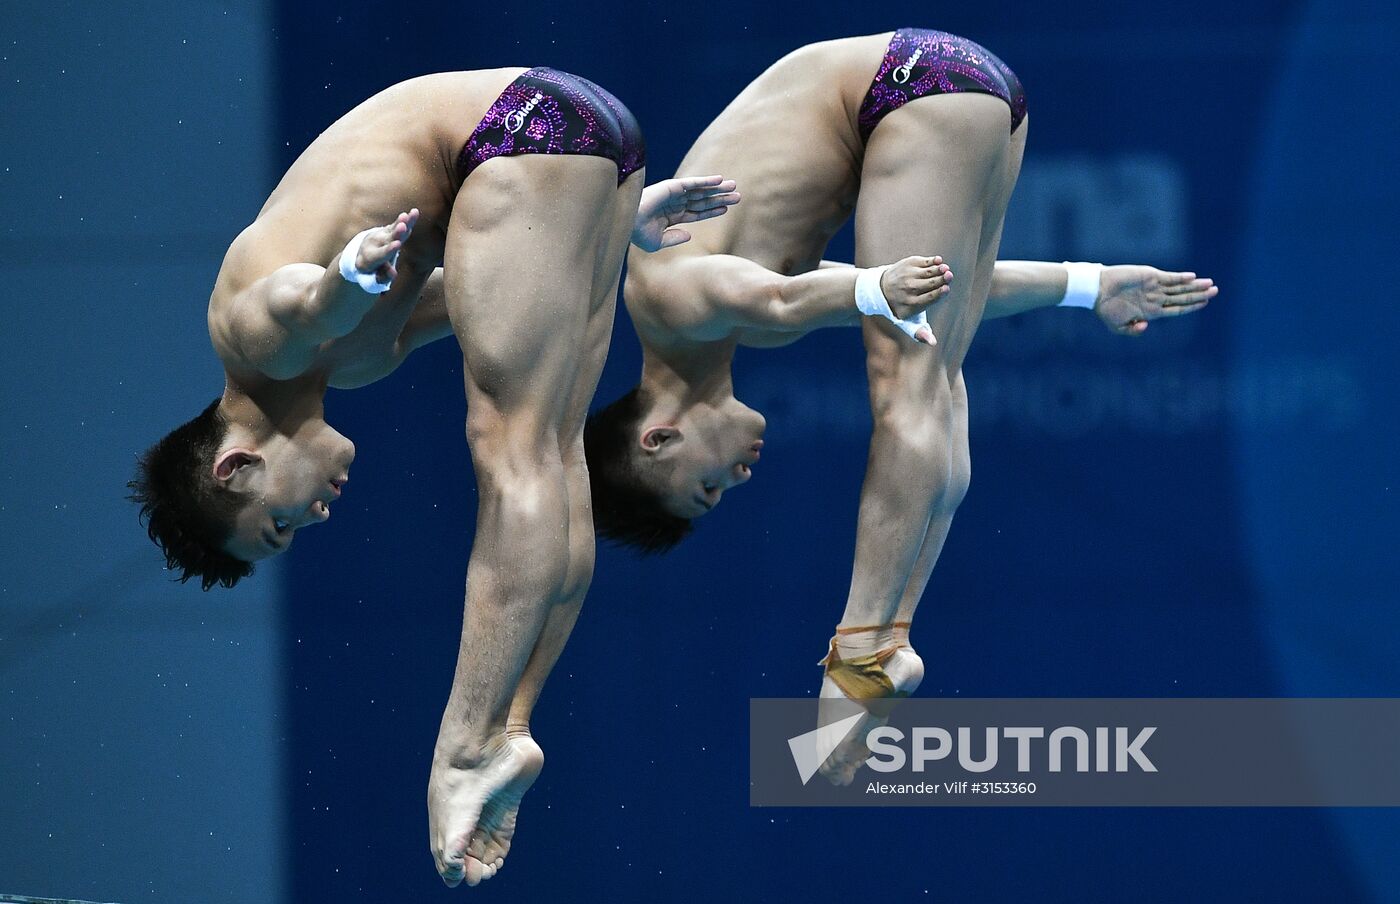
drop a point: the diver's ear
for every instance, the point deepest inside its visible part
(654, 439)
(235, 463)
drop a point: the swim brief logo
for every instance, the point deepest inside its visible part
(904, 70)
(515, 119)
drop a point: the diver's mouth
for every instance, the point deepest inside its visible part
(757, 450)
(336, 486)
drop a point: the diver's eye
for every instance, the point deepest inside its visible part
(279, 525)
(708, 487)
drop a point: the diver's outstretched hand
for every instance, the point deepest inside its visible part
(670, 202)
(1130, 295)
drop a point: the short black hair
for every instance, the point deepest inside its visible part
(187, 513)
(626, 510)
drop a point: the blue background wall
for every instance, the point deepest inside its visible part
(139, 743)
(1205, 511)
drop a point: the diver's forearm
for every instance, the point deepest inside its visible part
(337, 306)
(1017, 286)
(1020, 286)
(818, 299)
(429, 321)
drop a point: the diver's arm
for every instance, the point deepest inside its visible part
(428, 322)
(744, 294)
(1017, 286)
(281, 318)
(1129, 294)
(1020, 286)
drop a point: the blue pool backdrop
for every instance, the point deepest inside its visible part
(1209, 510)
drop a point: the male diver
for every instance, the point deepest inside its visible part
(920, 134)
(476, 172)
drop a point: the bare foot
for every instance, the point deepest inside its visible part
(905, 670)
(472, 808)
(491, 841)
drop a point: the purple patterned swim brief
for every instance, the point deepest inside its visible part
(546, 111)
(920, 62)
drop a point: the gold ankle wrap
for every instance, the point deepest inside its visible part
(863, 678)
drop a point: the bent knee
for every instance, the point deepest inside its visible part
(527, 437)
(928, 436)
(958, 482)
(522, 477)
(912, 400)
(578, 577)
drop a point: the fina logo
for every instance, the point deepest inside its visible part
(902, 72)
(515, 119)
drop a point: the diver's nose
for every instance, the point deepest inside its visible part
(742, 473)
(320, 511)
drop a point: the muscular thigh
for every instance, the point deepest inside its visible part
(933, 175)
(606, 276)
(993, 222)
(522, 251)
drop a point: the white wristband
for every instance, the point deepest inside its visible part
(350, 273)
(871, 301)
(1082, 286)
(870, 298)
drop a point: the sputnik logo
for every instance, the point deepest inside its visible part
(810, 750)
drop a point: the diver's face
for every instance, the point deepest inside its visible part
(292, 482)
(708, 452)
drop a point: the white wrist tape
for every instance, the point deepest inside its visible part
(366, 281)
(871, 301)
(1082, 287)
